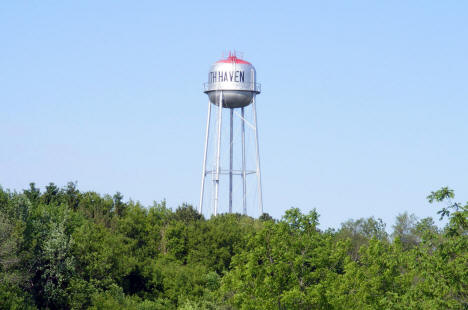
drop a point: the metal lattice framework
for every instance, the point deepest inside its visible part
(217, 171)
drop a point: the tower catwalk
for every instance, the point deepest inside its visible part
(231, 85)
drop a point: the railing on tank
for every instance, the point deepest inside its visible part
(255, 87)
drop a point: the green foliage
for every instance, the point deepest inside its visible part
(359, 232)
(265, 217)
(404, 230)
(14, 298)
(114, 298)
(66, 249)
(456, 212)
(102, 257)
(283, 266)
(213, 243)
(187, 214)
(10, 239)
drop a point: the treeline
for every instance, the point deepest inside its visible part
(66, 249)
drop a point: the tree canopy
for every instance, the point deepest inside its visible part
(67, 249)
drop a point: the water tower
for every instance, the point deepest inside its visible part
(231, 87)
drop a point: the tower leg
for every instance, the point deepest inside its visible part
(218, 154)
(244, 184)
(207, 135)
(259, 177)
(231, 138)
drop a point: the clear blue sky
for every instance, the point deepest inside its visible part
(363, 111)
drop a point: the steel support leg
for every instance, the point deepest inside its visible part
(244, 181)
(231, 138)
(207, 136)
(259, 177)
(218, 154)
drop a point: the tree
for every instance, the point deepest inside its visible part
(405, 230)
(213, 243)
(57, 267)
(284, 266)
(265, 217)
(186, 213)
(9, 250)
(102, 257)
(360, 232)
(51, 194)
(33, 193)
(64, 249)
(48, 239)
(71, 195)
(119, 206)
(455, 211)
